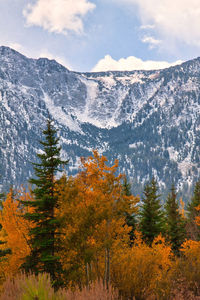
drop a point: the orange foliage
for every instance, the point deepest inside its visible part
(188, 266)
(93, 210)
(15, 230)
(191, 248)
(142, 270)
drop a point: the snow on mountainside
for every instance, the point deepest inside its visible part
(149, 120)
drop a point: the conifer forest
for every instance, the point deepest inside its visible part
(89, 237)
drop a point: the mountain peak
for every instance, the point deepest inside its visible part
(7, 51)
(12, 56)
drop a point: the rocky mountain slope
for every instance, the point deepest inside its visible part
(149, 120)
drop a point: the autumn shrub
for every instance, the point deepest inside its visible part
(142, 270)
(188, 267)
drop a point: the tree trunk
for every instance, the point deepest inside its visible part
(87, 275)
(107, 268)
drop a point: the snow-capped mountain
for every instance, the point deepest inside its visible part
(149, 120)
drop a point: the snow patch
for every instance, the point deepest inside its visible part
(173, 154)
(154, 76)
(131, 79)
(185, 166)
(92, 90)
(135, 145)
(88, 116)
(108, 81)
(59, 115)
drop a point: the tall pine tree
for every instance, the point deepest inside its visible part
(175, 224)
(151, 215)
(192, 228)
(130, 218)
(44, 235)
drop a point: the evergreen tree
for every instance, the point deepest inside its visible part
(175, 225)
(192, 228)
(151, 215)
(195, 201)
(44, 235)
(130, 218)
(127, 187)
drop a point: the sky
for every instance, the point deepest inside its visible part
(101, 35)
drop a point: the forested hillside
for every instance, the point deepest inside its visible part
(88, 237)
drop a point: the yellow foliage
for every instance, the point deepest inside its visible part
(15, 230)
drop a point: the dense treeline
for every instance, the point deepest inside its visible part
(90, 228)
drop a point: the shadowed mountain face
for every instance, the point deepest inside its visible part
(149, 120)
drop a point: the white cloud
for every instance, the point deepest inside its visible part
(130, 63)
(177, 20)
(60, 16)
(148, 26)
(151, 41)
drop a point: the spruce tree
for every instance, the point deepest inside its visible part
(192, 228)
(44, 235)
(130, 218)
(175, 225)
(151, 215)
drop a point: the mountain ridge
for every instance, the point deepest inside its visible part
(149, 120)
